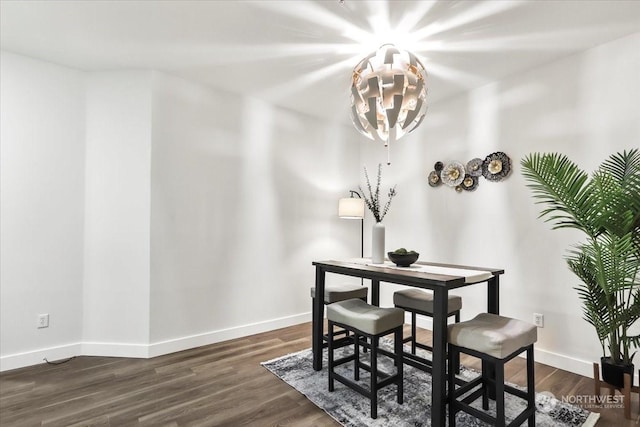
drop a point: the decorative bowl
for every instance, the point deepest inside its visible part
(403, 260)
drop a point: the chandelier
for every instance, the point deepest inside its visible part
(388, 94)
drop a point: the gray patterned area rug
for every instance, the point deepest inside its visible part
(352, 409)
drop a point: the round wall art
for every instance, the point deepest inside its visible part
(466, 177)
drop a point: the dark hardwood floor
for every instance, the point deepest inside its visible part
(217, 385)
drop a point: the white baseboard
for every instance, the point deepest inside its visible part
(20, 360)
(115, 349)
(184, 343)
(568, 363)
(564, 362)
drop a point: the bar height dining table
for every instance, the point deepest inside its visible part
(439, 278)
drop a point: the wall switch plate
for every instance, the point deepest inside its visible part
(43, 321)
(538, 320)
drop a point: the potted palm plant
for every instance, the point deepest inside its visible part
(606, 208)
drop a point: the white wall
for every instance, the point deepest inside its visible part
(244, 198)
(584, 106)
(117, 213)
(41, 208)
(147, 214)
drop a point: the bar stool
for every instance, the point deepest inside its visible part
(336, 293)
(495, 340)
(421, 302)
(373, 322)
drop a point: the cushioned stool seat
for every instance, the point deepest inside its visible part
(415, 299)
(367, 318)
(494, 335)
(372, 322)
(495, 340)
(336, 293)
(420, 302)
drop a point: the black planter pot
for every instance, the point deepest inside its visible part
(613, 373)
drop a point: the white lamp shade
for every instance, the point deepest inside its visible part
(351, 208)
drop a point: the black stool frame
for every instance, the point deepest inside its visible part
(412, 358)
(375, 385)
(486, 383)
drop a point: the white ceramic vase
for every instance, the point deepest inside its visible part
(377, 243)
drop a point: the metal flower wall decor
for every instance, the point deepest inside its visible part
(466, 177)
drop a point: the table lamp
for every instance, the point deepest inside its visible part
(353, 208)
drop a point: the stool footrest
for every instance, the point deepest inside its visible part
(337, 334)
(418, 344)
(387, 381)
(417, 362)
(357, 387)
(337, 343)
(424, 346)
(380, 373)
(517, 421)
(386, 353)
(473, 396)
(514, 391)
(343, 360)
(468, 386)
(476, 413)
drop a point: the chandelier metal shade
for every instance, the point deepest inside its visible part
(388, 94)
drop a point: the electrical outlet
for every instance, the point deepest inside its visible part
(43, 321)
(538, 320)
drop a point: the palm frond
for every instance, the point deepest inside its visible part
(559, 184)
(623, 166)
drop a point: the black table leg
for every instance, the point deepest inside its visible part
(318, 319)
(493, 295)
(493, 306)
(439, 363)
(375, 292)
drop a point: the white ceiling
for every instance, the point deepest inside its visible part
(300, 53)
